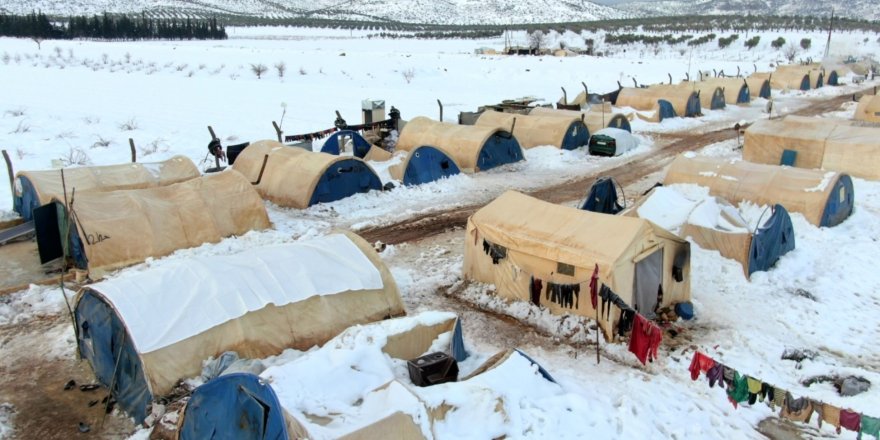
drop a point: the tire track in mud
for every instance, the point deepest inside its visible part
(430, 224)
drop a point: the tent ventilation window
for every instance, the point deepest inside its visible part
(565, 269)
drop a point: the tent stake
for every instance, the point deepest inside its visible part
(133, 151)
(9, 171)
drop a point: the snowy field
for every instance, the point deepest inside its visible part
(81, 101)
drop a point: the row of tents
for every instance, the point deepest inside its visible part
(689, 98)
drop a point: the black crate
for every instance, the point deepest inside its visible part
(432, 369)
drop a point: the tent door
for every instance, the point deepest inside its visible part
(647, 283)
(46, 225)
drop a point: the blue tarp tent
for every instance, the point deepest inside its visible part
(619, 121)
(423, 165)
(602, 197)
(332, 144)
(771, 241)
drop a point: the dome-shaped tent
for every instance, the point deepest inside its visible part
(665, 101)
(142, 332)
(112, 229)
(736, 90)
(473, 148)
(868, 109)
(37, 188)
(595, 119)
(298, 178)
(535, 130)
(711, 94)
(423, 165)
(824, 198)
(517, 239)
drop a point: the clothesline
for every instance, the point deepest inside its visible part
(646, 336)
(743, 388)
(387, 123)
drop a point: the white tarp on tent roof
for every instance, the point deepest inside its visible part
(673, 206)
(201, 293)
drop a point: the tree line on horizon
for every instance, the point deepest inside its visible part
(110, 27)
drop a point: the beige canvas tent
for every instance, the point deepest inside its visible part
(759, 85)
(112, 229)
(735, 90)
(594, 118)
(664, 100)
(297, 178)
(797, 77)
(36, 188)
(711, 94)
(474, 148)
(516, 239)
(145, 331)
(815, 143)
(536, 130)
(868, 109)
(824, 198)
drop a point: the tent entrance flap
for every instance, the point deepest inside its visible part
(499, 149)
(840, 202)
(343, 179)
(48, 230)
(665, 108)
(771, 241)
(648, 283)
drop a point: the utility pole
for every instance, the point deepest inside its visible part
(830, 27)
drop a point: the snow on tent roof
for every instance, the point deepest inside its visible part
(825, 143)
(123, 227)
(466, 144)
(258, 303)
(535, 130)
(346, 389)
(824, 198)
(46, 185)
(298, 178)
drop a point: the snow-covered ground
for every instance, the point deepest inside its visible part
(70, 101)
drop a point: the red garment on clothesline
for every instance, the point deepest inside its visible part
(645, 339)
(700, 364)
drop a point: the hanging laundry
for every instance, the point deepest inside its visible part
(766, 393)
(754, 389)
(739, 391)
(645, 339)
(728, 376)
(495, 251)
(779, 396)
(870, 426)
(566, 295)
(850, 420)
(829, 414)
(594, 287)
(626, 321)
(535, 288)
(797, 410)
(700, 364)
(715, 374)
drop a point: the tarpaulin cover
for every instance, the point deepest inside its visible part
(423, 165)
(771, 241)
(360, 145)
(256, 303)
(602, 197)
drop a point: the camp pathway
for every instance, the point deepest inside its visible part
(626, 174)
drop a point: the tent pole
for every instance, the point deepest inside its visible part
(278, 131)
(133, 151)
(112, 380)
(441, 109)
(564, 96)
(9, 171)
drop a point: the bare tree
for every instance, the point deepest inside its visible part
(281, 68)
(536, 40)
(259, 69)
(39, 41)
(408, 75)
(790, 52)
